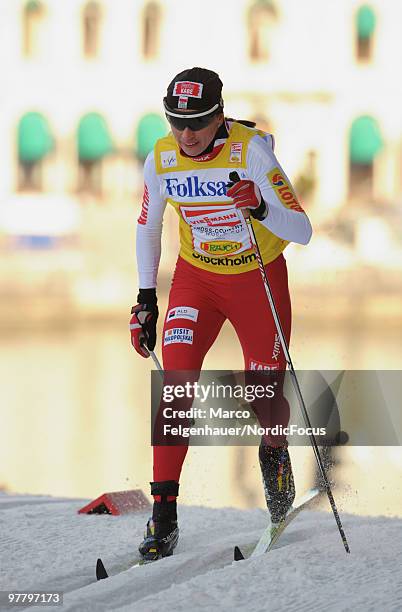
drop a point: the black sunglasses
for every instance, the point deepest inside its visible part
(194, 124)
(180, 122)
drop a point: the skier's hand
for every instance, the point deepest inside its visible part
(247, 196)
(143, 322)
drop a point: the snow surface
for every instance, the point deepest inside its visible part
(46, 545)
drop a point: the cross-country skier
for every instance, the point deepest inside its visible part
(216, 276)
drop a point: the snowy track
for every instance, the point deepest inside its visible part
(46, 545)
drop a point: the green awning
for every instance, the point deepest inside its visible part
(150, 128)
(365, 140)
(365, 21)
(265, 4)
(93, 138)
(92, 9)
(33, 6)
(34, 137)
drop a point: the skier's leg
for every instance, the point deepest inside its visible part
(191, 325)
(254, 324)
(182, 363)
(252, 319)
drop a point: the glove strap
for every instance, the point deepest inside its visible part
(261, 212)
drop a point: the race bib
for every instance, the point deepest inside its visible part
(217, 230)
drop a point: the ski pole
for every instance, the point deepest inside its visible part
(153, 355)
(155, 360)
(235, 178)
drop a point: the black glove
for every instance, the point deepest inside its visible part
(145, 313)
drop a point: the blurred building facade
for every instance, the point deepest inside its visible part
(82, 84)
(80, 99)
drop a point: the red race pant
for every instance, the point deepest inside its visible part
(211, 299)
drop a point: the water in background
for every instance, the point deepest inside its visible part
(76, 417)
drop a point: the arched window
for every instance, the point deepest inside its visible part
(364, 27)
(91, 29)
(151, 30)
(35, 141)
(32, 25)
(365, 142)
(261, 19)
(93, 144)
(150, 128)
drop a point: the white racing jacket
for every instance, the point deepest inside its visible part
(213, 234)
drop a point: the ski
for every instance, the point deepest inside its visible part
(267, 540)
(274, 531)
(102, 573)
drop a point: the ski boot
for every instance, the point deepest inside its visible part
(162, 532)
(277, 478)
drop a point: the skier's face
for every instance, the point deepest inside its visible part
(195, 142)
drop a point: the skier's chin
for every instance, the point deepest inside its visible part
(192, 150)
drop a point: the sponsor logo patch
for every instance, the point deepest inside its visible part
(142, 219)
(178, 335)
(183, 101)
(220, 247)
(276, 348)
(188, 88)
(283, 190)
(183, 312)
(192, 187)
(217, 229)
(211, 216)
(168, 159)
(260, 365)
(236, 149)
(226, 261)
